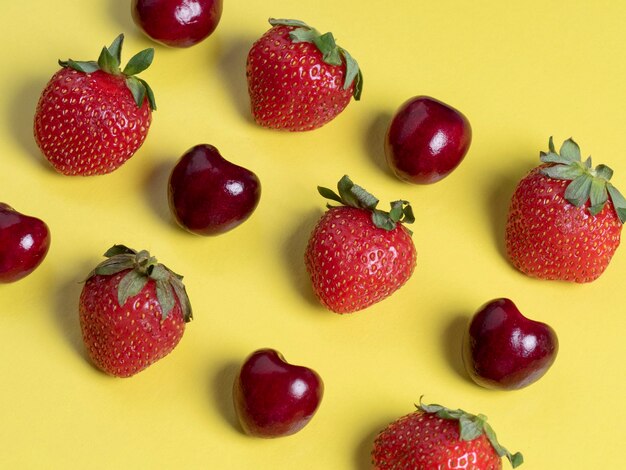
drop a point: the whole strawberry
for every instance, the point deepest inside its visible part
(565, 218)
(298, 78)
(435, 437)
(92, 116)
(358, 255)
(132, 311)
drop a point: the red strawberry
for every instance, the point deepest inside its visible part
(358, 255)
(434, 437)
(565, 218)
(92, 116)
(299, 79)
(132, 310)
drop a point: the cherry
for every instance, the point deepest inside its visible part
(208, 195)
(502, 349)
(24, 243)
(426, 140)
(177, 23)
(273, 398)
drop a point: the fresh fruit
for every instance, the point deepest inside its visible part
(434, 437)
(426, 140)
(92, 116)
(299, 79)
(565, 218)
(24, 243)
(273, 398)
(208, 195)
(358, 255)
(504, 350)
(177, 23)
(132, 311)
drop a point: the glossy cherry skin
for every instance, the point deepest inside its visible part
(504, 350)
(273, 398)
(177, 23)
(426, 140)
(208, 195)
(24, 243)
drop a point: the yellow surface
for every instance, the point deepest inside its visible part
(520, 72)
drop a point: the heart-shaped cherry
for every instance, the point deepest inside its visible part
(208, 195)
(274, 398)
(504, 350)
(426, 140)
(177, 23)
(24, 243)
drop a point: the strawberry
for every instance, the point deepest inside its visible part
(132, 311)
(435, 437)
(565, 218)
(299, 79)
(92, 116)
(358, 255)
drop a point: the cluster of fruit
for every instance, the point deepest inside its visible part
(564, 223)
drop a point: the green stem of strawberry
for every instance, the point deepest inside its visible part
(110, 61)
(332, 53)
(143, 268)
(352, 195)
(587, 183)
(471, 427)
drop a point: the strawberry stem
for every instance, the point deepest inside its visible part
(109, 61)
(471, 427)
(352, 195)
(331, 53)
(587, 183)
(142, 268)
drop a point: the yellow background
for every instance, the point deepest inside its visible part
(520, 71)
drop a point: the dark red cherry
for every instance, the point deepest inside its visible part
(504, 350)
(177, 23)
(426, 140)
(273, 398)
(24, 243)
(209, 195)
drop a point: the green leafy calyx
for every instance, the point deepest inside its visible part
(110, 61)
(471, 427)
(332, 53)
(352, 195)
(587, 183)
(142, 269)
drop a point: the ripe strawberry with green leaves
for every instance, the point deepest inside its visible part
(132, 311)
(298, 78)
(93, 116)
(358, 255)
(565, 218)
(435, 437)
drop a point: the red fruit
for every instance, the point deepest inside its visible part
(358, 255)
(504, 350)
(565, 218)
(24, 243)
(177, 23)
(208, 195)
(426, 140)
(132, 312)
(273, 398)
(434, 437)
(92, 116)
(299, 79)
